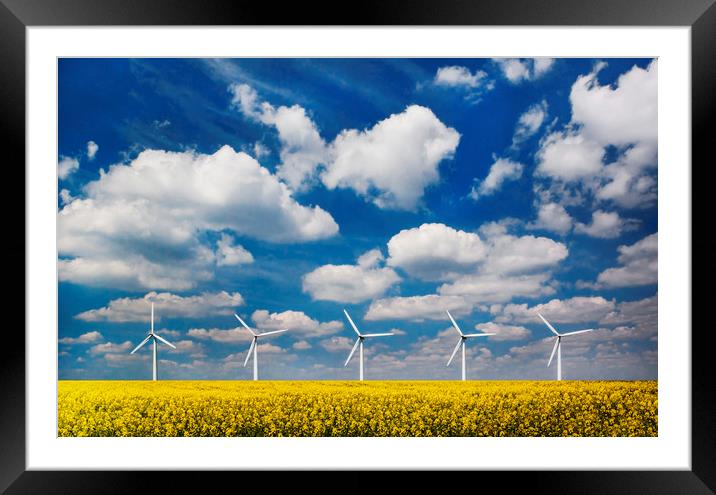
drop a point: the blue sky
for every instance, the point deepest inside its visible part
(289, 189)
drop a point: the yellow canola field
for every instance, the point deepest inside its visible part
(332, 408)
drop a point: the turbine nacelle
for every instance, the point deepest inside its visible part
(462, 342)
(254, 344)
(359, 342)
(558, 344)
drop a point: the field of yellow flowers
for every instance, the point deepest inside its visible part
(389, 408)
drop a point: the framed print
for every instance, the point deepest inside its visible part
(442, 238)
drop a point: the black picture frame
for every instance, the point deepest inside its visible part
(700, 15)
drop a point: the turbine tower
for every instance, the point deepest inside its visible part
(558, 344)
(254, 345)
(153, 337)
(359, 343)
(462, 342)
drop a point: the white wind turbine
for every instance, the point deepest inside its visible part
(254, 345)
(153, 337)
(359, 343)
(462, 342)
(558, 345)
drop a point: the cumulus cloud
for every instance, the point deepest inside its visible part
(501, 171)
(350, 283)
(577, 309)
(166, 305)
(504, 332)
(639, 265)
(455, 75)
(552, 217)
(529, 123)
(517, 70)
(302, 148)
(498, 288)
(140, 224)
(301, 345)
(85, 338)
(389, 164)
(231, 335)
(604, 225)
(337, 344)
(92, 149)
(392, 163)
(111, 348)
(435, 251)
(229, 254)
(66, 166)
(418, 308)
(622, 116)
(298, 322)
(569, 156)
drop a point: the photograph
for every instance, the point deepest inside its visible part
(357, 247)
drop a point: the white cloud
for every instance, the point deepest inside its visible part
(624, 116)
(639, 265)
(435, 251)
(510, 254)
(231, 335)
(229, 254)
(337, 344)
(529, 123)
(518, 70)
(569, 157)
(190, 347)
(65, 197)
(297, 322)
(417, 308)
(574, 310)
(301, 345)
(111, 348)
(392, 163)
(302, 148)
(552, 217)
(166, 305)
(349, 283)
(140, 224)
(457, 76)
(67, 166)
(92, 149)
(498, 288)
(85, 338)
(604, 225)
(500, 172)
(260, 150)
(504, 332)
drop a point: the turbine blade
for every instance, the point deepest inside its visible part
(352, 352)
(352, 324)
(579, 331)
(165, 341)
(556, 343)
(478, 334)
(152, 329)
(548, 324)
(272, 332)
(245, 325)
(146, 339)
(377, 334)
(453, 322)
(253, 343)
(459, 343)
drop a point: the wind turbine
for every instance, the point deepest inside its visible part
(462, 342)
(359, 343)
(153, 337)
(558, 345)
(254, 346)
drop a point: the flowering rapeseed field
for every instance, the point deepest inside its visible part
(388, 408)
